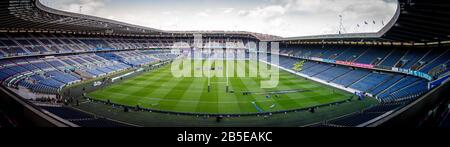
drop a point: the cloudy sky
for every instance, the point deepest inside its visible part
(286, 18)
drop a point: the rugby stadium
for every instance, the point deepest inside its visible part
(64, 69)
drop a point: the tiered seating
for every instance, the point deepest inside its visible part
(411, 58)
(3, 76)
(409, 92)
(20, 44)
(18, 69)
(63, 77)
(398, 86)
(56, 63)
(355, 119)
(38, 88)
(95, 72)
(431, 56)
(370, 81)
(8, 72)
(360, 118)
(372, 55)
(316, 69)
(42, 65)
(82, 119)
(351, 54)
(131, 58)
(382, 108)
(332, 53)
(387, 87)
(49, 75)
(333, 73)
(287, 62)
(386, 84)
(30, 67)
(441, 60)
(351, 77)
(393, 58)
(382, 56)
(165, 56)
(47, 81)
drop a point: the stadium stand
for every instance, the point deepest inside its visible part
(386, 86)
(355, 119)
(43, 50)
(49, 75)
(82, 119)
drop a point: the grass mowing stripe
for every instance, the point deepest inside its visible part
(141, 91)
(160, 90)
(244, 101)
(176, 94)
(128, 86)
(193, 96)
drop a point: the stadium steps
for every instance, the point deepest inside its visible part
(340, 76)
(411, 82)
(327, 68)
(417, 64)
(402, 79)
(386, 57)
(40, 43)
(313, 64)
(399, 60)
(380, 88)
(81, 118)
(416, 59)
(53, 66)
(423, 57)
(406, 87)
(56, 79)
(432, 61)
(359, 80)
(376, 86)
(344, 52)
(361, 55)
(107, 43)
(20, 45)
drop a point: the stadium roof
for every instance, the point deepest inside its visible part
(33, 15)
(414, 21)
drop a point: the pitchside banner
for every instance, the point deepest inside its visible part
(413, 72)
(354, 64)
(369, 66)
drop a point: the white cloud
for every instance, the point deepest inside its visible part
(265, 12)
(279, 17)
(227, 10)
(202, 14)
(91, 7)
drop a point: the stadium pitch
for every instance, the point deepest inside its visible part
(160, 90)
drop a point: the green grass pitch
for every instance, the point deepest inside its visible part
(160, 90)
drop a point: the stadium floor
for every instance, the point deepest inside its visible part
(160, 90)
(293, 119)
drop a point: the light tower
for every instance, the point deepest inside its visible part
(341, 25)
